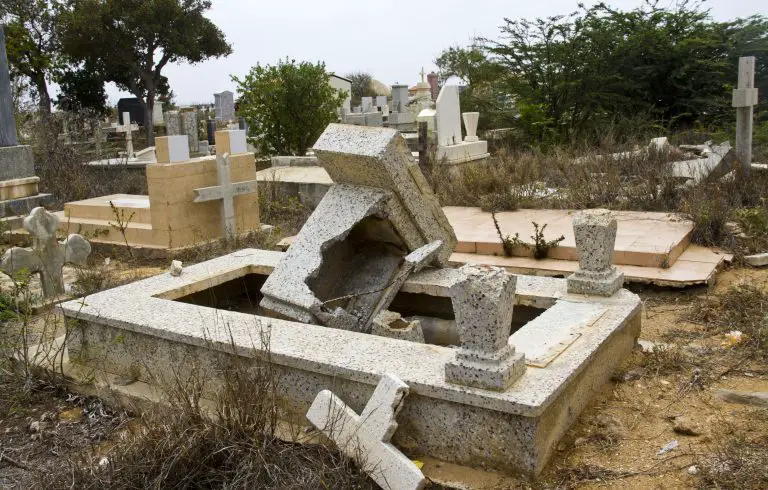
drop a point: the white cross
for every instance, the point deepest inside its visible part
(225, 192)
(744, 99)
(365, 437)
(128, 128)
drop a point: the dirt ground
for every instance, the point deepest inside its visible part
(617, 442)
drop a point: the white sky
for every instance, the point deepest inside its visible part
(391, 39)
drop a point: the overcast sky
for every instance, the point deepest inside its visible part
(391, 39)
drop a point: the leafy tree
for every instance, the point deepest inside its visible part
(572, 76)
(288, 105)
(361, 86)
(82, 89)
(32, 43)
(130, 41)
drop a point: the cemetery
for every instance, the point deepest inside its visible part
(524, 269)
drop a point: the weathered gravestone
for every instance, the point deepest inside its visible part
(47, 255)
(172, 123)
(378, 222)
(224, 104)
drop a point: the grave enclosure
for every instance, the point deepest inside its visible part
(190, 200)
(363, 292)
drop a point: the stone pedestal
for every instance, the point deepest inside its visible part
(18, 184)
(483, 301)
(463, 152)
(470, 125)
(595, 234)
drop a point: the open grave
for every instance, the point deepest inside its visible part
(503, 366)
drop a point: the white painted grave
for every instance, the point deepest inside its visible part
(128, 129)
(451, 147)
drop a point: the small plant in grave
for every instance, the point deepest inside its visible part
(541, 246)
(508, 243)
(122, 224)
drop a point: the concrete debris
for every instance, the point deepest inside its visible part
(757, 398)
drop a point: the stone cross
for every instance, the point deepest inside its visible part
(744, 100)
(8, 136)
(225, 192)
(128, 129)
(365, 437)
(47, 255)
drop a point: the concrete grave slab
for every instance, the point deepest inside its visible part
(516, 429)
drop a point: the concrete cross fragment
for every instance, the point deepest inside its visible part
(47, 255)
(128, 129)
(744, 100)
(225, 192)
(365, 437)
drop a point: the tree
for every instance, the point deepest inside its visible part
(288, 105)
(130, 41)
(32, 43)
(82, 89)
(361, 86)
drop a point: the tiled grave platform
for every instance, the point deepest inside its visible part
(157, 328)
(642, 239)
(639, 252)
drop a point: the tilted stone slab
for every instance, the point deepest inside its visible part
(379, 157)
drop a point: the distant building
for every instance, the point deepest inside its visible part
(345, 85)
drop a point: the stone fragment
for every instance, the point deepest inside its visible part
(595, 233)
(47, 255)
(176, 268)
(757, 260)
(685, 426)
(391, 324)
(483, 301)
(757, 398)
(365, 437)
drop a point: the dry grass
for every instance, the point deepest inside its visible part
(738, 461)
(742, 307)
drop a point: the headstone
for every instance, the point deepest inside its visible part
(595, 233)
(172, 149)
(381, 100)
(242, 124)
(367, 103)
(211, 129)
(448, 116)
(399, 98)
(172, 123)
(203, 147)
(224, 104)
(483, 301)
(189, 127)
(225, 192)
(365, 438)
(157, 114)
(133, 106)
(744, 100)
(8, 136)
(47, 255)
(374, 119)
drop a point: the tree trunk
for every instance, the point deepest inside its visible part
(42, 91)
(149, 120)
